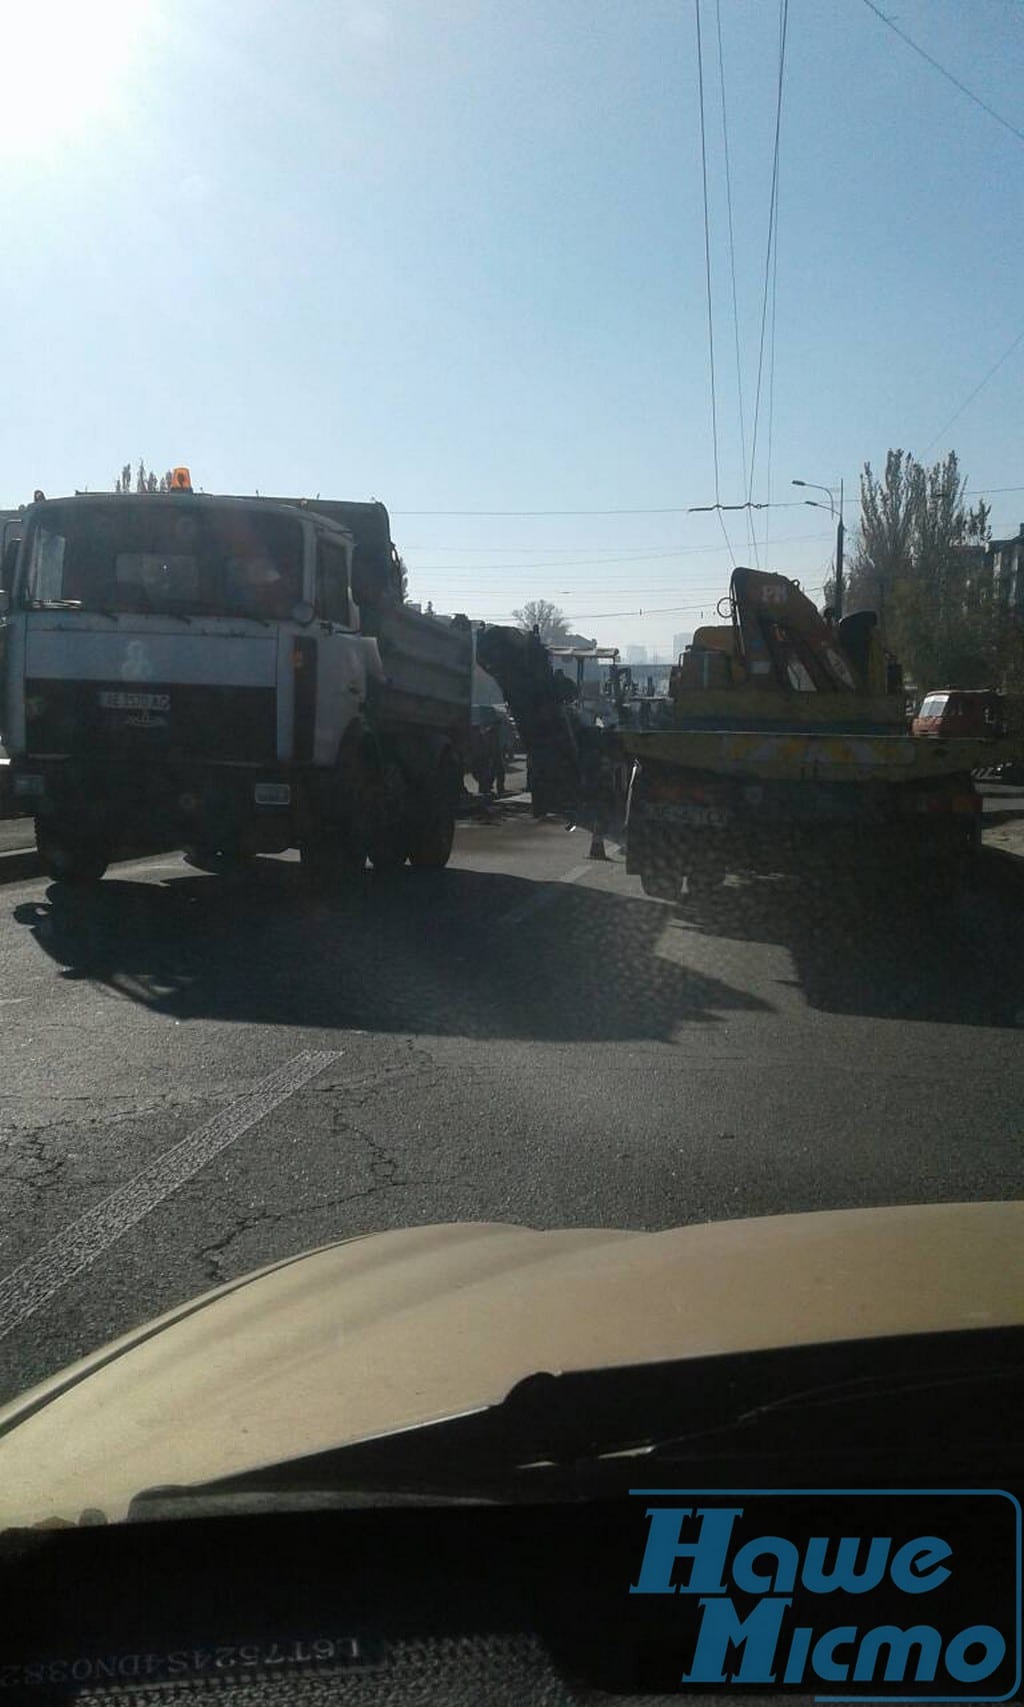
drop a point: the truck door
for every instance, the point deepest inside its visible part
(340, 671)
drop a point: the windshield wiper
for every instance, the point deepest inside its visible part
(857, 1400)
(70, 604)
(229, 615)
(159, 610)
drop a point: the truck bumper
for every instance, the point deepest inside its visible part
(251, 808)
(753, 826)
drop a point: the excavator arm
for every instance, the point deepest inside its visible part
(566, 757)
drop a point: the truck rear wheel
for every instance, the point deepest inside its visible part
(70, 859)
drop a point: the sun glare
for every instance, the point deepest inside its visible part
(69, 66)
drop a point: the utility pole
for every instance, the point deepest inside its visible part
(840, 538)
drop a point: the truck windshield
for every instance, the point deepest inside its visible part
(171, 556)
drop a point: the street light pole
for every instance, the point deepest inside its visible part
(840, 539)
(837, 517)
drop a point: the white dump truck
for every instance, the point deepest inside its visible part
(230, 675)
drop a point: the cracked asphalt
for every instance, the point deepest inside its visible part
(524, 1037)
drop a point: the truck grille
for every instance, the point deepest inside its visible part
(122, 719)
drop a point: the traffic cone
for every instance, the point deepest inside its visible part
(597, 846)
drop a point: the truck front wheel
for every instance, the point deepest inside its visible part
(70, 859)
(385, 799)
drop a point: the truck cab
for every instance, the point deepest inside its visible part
(193, 670)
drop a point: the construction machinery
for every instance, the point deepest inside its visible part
(782, 745)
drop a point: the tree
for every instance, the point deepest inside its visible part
(145, 480)
(547, 618)
(920, 561)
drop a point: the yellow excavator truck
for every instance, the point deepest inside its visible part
(783, 745)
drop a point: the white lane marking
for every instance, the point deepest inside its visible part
(546, 895)
(78, 1246)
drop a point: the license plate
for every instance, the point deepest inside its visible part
(123, 701)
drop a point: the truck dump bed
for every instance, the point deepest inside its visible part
(428, 665)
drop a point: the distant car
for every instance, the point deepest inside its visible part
(961, 711)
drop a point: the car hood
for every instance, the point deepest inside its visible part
(401, 1328)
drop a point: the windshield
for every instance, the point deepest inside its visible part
(164, 557)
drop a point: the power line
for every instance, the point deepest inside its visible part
(651, 610)
(663, 510)
(772, 208)
(703, 593)
(971, 96)
(707, 272)
(455, 571)
(666, 510)
(1019, 339)
(654, 610)
(732, 268)
(771, 359)
(579, 563)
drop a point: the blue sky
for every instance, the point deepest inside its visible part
(450, 253)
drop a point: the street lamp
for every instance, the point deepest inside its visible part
(837, 517)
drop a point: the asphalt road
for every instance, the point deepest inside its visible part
(202, 1075)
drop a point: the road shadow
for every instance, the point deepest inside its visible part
(886, 954)
(424, 953)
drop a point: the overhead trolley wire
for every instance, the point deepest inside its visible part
(662, 510)
(751, 534)
(934, 63)
(775, 278)
(993, 370)
(707, 277)
(772, 215)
